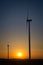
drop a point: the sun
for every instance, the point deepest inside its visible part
(19, 54)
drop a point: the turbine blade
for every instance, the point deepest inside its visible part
(26, 26)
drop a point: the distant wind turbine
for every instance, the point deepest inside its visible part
(8, 50)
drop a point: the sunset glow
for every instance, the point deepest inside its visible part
(19, 54)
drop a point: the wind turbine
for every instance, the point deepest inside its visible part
(28, 22)
(8, 50)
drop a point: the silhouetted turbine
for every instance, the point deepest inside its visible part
(28, 21)
(8, 50)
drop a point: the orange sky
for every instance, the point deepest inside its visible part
(35, 54)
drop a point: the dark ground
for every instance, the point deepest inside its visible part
(21, 62)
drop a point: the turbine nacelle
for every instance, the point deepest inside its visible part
(28, 20)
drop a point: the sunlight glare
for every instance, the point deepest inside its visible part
(19, 54)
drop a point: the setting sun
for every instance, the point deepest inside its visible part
(19, 54)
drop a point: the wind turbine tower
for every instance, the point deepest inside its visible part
(8, 50)
(28, 22)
